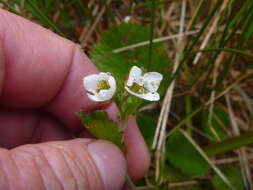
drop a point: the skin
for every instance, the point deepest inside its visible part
(41, 93)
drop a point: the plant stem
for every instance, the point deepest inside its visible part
(11, 8)
(151, 34)
(130, 184)
(229, 144)
(188, 104)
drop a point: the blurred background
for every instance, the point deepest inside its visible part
(200, 133)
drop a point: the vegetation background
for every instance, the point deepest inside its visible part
(199, 134)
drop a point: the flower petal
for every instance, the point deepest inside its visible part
(94, 97)
(108, 93)
(90, 82)
(152, 81)
(149, 96)
(105, 95)
(134, 76)
(104, 76)
(112, 83)
(132, 92)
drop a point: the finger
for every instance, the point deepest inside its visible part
(75, 164)
(41, 69)
(138, 159)
(127, 187)
(20, 127)
(44, 70)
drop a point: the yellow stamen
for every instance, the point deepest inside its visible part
(102, 85)
(138, 89)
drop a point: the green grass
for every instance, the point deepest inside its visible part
(226, 61)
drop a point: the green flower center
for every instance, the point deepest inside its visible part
(102, 85)
(138, 89)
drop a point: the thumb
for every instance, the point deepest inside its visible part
(75, 164)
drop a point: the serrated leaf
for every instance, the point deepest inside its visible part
(219, 121)
(101, 127)
(234, 176)
(130, 105)
(183, 155)
(119, 64)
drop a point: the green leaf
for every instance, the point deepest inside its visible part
(229, 144)
(219, 121)
(130, 105)
(119, 64)
(234, 176)
(101, 127)
(147, 125)
(183, 155)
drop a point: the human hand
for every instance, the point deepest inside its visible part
(41, 93)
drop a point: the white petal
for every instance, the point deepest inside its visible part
(104, 76)
(108, 93)
(104, 95)
(152, 81)
(127, 19)
(149, 96)
(132, 92)
(134, 75)
(112, 84)
(94, 97)
(90, 82)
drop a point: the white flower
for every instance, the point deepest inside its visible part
(143, 86)
(127, 19)
(100, 87)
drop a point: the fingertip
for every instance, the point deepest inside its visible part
(112, 112)
(110, 162)
(72, 164)
(138, 158)
(1, 66)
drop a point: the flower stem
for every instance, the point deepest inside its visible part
(230, 144)
(151, 34)
(130, 183)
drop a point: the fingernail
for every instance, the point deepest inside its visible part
(110, 163)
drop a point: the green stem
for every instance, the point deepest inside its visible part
(230, 50)
(123, 117)
(44, 18)
(188, 103)
(11, 8)
(151, 34)
(130, 183)
(229, 144)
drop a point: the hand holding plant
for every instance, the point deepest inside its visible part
(102, 87)
(42, 90)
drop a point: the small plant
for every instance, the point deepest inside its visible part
(102, 87)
